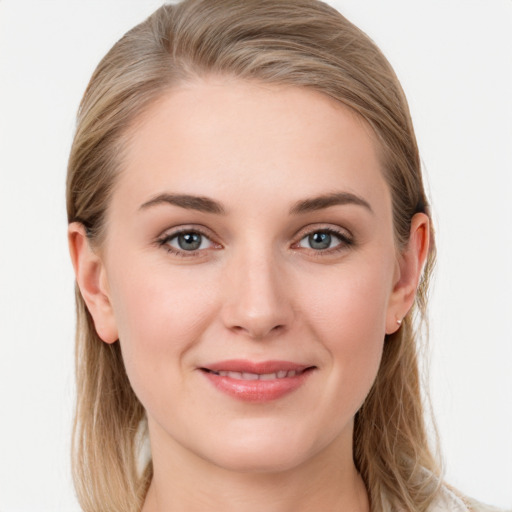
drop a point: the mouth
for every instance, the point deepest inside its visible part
(257, 381)
(280, 374)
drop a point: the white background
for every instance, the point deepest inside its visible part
(454, 58)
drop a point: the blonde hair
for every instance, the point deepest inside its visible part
(302, 43)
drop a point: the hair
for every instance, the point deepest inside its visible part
(302, 43)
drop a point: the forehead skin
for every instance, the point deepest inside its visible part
(232, 133)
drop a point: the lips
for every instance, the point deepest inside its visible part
(281, 374)
(256, 381)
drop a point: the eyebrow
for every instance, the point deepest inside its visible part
(327, 200)
(190, 202)
(207, 205)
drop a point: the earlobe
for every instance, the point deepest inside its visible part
(409, 270)
(91, 279)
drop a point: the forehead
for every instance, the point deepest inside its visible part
(228, 139)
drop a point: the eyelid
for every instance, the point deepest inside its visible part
(330, 228)
(344, 235)
(169, 234)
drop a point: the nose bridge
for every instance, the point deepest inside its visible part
(256, 301)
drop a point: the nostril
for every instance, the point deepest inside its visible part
(258, 332)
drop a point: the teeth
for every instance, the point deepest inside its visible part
(281, 374)
(250, 376)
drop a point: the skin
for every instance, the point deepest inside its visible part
(255, 289)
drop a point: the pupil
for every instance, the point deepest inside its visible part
(320, 240)
(189, 241)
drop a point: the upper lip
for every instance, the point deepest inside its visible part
(260, 367)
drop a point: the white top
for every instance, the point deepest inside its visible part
(450, 502)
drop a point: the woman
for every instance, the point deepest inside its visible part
(252, 246)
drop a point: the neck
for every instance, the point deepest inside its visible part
(185, 482)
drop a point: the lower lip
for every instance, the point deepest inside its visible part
(257, 391)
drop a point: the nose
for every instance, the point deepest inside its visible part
(257, 300)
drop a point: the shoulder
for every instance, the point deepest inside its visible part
(449, 501)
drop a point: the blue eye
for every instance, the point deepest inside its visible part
(322, 240)
(187, 241)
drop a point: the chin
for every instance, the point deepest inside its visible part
(258, 460)
(263, 450)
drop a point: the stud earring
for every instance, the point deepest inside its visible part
(398, 322)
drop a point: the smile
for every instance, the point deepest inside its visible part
(257, 382)
(281, 374)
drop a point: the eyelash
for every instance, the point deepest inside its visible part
(345, 242)
(166, 238)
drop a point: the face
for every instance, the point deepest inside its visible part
(251, 272)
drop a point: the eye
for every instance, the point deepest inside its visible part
(190, 241)
(324, 240)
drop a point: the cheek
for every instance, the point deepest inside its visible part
(349, 317)
(160, 317)
(351, 304)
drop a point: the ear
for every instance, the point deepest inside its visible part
(91, 279)
(409, 269)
